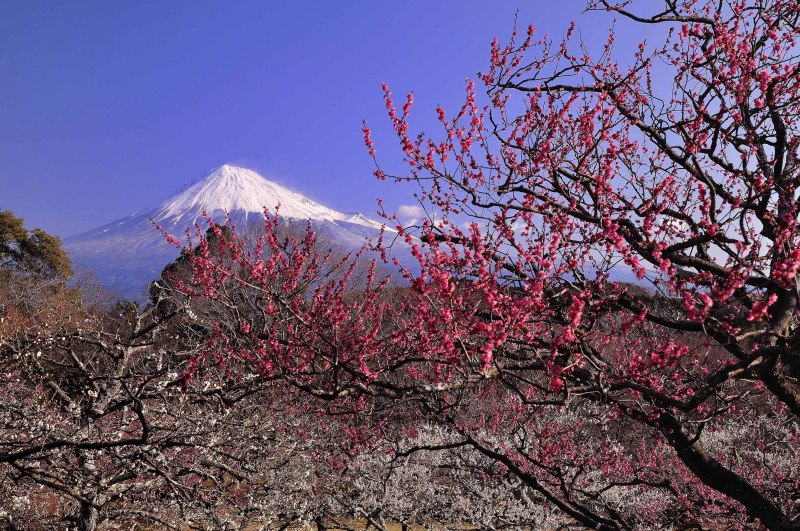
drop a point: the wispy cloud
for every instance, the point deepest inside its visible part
(409, 214)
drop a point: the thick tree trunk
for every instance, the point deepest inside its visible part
(715, 475)
(88, 517)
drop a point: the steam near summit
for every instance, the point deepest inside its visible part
(128, 253)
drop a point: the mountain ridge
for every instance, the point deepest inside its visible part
(128, 253)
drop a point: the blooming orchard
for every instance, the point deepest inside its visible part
(617, 318)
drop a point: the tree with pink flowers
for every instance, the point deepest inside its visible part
(603, 304)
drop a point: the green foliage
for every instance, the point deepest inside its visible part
(33, 252)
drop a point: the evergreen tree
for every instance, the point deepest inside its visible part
(33, 252)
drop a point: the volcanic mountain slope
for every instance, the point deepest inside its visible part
(128, 253)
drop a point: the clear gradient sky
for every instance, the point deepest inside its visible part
(106, 107)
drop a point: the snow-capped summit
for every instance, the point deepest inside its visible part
(126, 254)
(233, 189)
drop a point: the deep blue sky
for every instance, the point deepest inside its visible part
(107, 107)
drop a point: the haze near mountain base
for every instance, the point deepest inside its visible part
(128, 253)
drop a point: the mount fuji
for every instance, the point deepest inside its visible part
(128, 253)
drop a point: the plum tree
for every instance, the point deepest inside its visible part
(605, 301)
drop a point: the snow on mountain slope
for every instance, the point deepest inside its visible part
(127, 253)
(231, 188)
